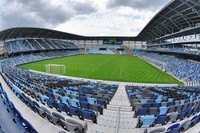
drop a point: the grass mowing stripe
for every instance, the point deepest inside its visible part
(108, 67)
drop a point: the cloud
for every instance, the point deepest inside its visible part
(84, 17)
(138, 4)
(40, 13)
(84, 8)
(122, 21)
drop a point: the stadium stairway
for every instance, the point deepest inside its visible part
(120, 100)
(114, 51)
(118, 117)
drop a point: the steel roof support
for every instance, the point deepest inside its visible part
(166, 28)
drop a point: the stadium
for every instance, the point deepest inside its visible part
(59, 82)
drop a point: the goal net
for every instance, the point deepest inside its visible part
(55, 69)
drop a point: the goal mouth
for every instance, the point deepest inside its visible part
(55, 68)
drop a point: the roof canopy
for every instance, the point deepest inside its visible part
(177, 16)
(24, 32)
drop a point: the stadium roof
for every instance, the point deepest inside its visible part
(24, 32)
(177, 16)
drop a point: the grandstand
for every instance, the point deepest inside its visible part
(33, 101)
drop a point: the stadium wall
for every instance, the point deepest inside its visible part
(93, 43)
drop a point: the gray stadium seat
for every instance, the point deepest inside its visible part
(40, 111)
(97, 107)
(164, 104)
(59, 117)
(153, 111)
(158, 130)
(185, 125)
(74, 126)
(171, 109)
(173, 117)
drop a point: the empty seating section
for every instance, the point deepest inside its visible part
(62, 44)
(178, 50)
(180, 68)
(53, 117)
(182, 50)
(97, 50)
(12, 46)
(43, 43)
(17, 60)
(152, 106)
(177, 127)
(37, 44)
(52, 91)
(24, 45)
(67, 93)
(50, 44)
(162, 105)
(84, 100)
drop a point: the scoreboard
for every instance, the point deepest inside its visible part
(112, 42)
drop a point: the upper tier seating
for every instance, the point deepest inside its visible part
(37, 44)
(178, 50)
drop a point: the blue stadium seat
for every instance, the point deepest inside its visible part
(194, 120)
(74, 111)
(156, 105)
(189, 112)
(158, 100)
(82, 98)
(141, 111)
(92, 100)
(85, 105)
(143, 101)
(74, 102)
(147, 120)
(65, 100)
(147, 105)
(52, 103)
(163, 110)
(90, 115)
(43, 99)
(63, 108)
(102, 102)
(182, 114)
(174, 128)
(162, 119)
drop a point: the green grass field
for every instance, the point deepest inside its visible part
(108, 67)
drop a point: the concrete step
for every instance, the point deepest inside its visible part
(125, 110)
(113, 107)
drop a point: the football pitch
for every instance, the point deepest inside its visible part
(108, 67)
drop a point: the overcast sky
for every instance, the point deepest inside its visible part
(83, 17)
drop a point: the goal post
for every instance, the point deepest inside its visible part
(55, 68)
